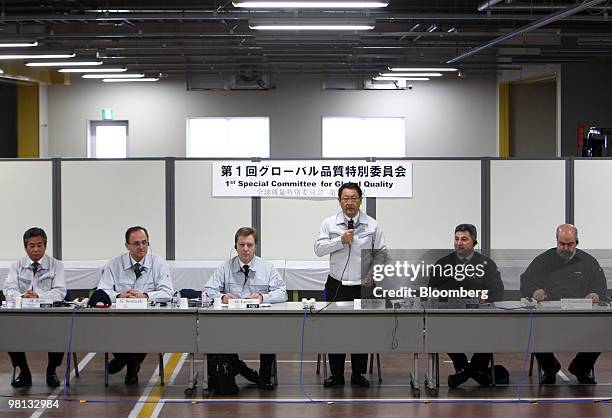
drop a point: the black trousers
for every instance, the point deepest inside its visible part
(584, 362)
(265, 366)
(337, 292)
(479, 362)
(19, 360)
(132, 360)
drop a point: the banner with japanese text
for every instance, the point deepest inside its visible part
(310, 178)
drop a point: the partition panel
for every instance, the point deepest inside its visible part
(593, 202)
(205, 225)
(290, 226)
(445, 193)
(527, 203)
(26, 202)
(102, 198)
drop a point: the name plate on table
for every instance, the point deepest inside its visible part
(131, 303)
(36, 303)
(369, 304)
(581, 303)
(243, 303)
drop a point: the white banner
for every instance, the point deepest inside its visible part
(310, 178)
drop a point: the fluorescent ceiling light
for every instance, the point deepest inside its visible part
(18, 44)
(33, 56)
(401, 78)
(126, 80)
(411, 74)
(312, 27)
(112, 75)
(111, 10)
(421, 69)
(93, 70)
(311, 4)
(62, 63)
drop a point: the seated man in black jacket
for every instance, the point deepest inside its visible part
(565, 272)
(485, 277)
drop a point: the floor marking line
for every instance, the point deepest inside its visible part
(60, 389)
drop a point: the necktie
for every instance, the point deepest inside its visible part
(464, 260)
(246, 272)
(138, 270)
(351, 224)
(35, 266)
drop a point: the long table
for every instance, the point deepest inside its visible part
(278, 329)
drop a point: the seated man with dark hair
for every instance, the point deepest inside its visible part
(485, 277)
(565, 272)
(36, 276)
(135, 274)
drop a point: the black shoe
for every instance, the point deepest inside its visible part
(22, 381)
(115, 366)
(52, 380)
(250, 375)
(131, 377)
(359, 380)
(550, 377)
(333, 381)
(458, 378)
(585, 379)
(482, 378)
(265, 384)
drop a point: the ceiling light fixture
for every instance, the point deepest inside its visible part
(311, 4)
(311, 27)
(62, 63)
(126, 80)
(113, 75)
(404, 69)
(18, 44)
(34, 56)
(93, 70)
(380, 78)
(411, 74)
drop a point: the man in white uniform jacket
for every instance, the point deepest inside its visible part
(36, 276)
(135, 274)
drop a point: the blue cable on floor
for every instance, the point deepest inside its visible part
(302, 357)
(527, 352)
(67, 372)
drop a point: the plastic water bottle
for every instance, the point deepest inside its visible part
(10, 299)
(176, 299)
(205, 300)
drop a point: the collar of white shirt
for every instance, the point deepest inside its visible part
(252, 264)
(129, 262)
(360, 218)
(44, 262)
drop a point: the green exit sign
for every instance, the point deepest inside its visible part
(107, 114)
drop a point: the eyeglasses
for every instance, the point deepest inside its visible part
(139, 243)
(349, 199)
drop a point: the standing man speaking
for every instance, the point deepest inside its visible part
(343, 236)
